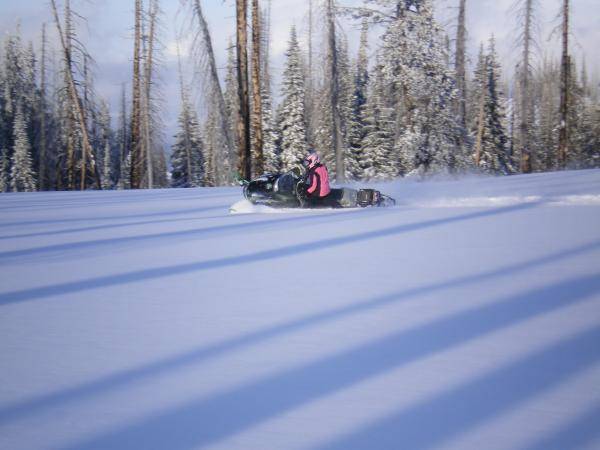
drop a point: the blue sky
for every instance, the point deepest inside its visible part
(107, 34)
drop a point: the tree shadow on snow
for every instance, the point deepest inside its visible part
(93, 218)
(210, 419)
(126, 378)
(579, 432)
(58, 250)
(457, 410)
(219, 263)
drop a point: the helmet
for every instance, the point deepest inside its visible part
(311, 160)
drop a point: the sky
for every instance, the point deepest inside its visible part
(107, 34)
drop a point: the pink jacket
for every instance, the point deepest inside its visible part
(318, 181)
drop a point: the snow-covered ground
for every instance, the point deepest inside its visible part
(467, 317)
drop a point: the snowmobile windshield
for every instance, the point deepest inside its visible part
(285, 184)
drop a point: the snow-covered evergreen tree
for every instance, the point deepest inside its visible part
(356, 124)
(546, 119)
(4, 170)
(578, 124)
(107, 167)
(377, 145)
(491, 141)
(270, 136)
(292, 124)
(187, 153)
(415, 67)
(22, 178)
(345, 97)
(323, 126)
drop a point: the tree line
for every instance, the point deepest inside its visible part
(408, 106)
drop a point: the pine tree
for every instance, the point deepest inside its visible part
(356, 125)
(565, 78)
(491, 153)
(378, 144)
(22, 178)
(107, 171)
(270, 136)
(4, 170)
(345, 101)
(269, 125)
(292, 124)
(187, 154)
(578, 125)
(590, 151)
(422, 90)
(19, 88)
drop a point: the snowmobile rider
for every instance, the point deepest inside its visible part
(316, 178)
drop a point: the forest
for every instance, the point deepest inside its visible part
(408, 106)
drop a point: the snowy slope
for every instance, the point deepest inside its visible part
(467, 317)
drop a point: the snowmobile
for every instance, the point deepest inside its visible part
(287, 190)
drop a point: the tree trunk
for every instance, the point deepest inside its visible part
(257, 144)
(340, 173)
(525, 100)
(480, 125)
(459, 65)
(147, 94)
(563, 135)
(42, 166)
(87, 148)
(136, 147)
(70, 119)
(123, 140)
(243, 121)
(86, 107)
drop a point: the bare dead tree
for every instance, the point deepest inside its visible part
(124, 173)
(147, 83)
(86, 107)
(70, 119)
(76, 101)
(481, 118)
(527, 39)
(243, 121)
(208, 63)
(460, 66)
(135, 136)
(257, 142)
(563, 134)
(340, 173)
(42, 108)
